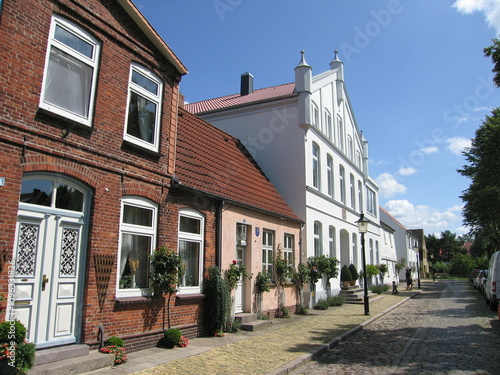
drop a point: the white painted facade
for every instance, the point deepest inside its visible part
(329, 187)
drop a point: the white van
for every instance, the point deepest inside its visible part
(493, 281)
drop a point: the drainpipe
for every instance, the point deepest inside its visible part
(218, 247)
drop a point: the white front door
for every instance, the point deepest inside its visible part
(239, 293)
(48, 256)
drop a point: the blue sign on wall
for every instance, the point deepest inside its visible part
(257, 231)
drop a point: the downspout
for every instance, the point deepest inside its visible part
(218, 247)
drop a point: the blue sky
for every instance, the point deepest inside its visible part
(415, 72)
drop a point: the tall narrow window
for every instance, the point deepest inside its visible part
(69, 79)
(267, 252)
(340, 132)
(371, 203)
(288, 249)
(328, 125)
(315, 166)
(358, 159)
(360, 195)
(342, 183)
(318, 241)
(329, 174)
(350, 154)
(137, 240)
(352, 191)
(332, 251)
(144, 108)
(315, 115)
(191, 252)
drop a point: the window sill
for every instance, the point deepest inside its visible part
(185, 297)
(68, 125)
(140, 151)
(133, 300)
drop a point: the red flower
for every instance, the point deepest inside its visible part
(234, 262)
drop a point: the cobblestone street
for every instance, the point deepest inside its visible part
(447, 329)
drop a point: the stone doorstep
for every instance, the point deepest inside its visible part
(245, 317)
(76, 365)
(256, 325)
(60, 353)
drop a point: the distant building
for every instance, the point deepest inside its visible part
(305, 137)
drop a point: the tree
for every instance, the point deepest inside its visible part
(482, 198)
(494, 52)
(461, 264)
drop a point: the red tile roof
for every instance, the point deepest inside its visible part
(233, 100)
(212, 161)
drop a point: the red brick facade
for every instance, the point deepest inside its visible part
(34, 140)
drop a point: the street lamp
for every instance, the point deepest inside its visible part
(416, 249)
(363, 228)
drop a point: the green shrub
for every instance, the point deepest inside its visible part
(322, 304)
(345, 273)
(379, 289)
(336, 301)
(115, 341)
(301, 310)
(285, 313)
(218, 301)
(17, 334)
(354, 272)
(25, 357)
(235, 326)
(171, 337)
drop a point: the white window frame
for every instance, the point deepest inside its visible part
(318, 238)
(332, 248)
(328, 125)
(371, 202)
(315, 115)
(340, 131)
(268, 252)
(353, 191)
(360, 194)
(156, 99)
(198, 238)
(316, 166)
(92, 62)
(132, 229)
(342, 183)
(329, 175)
(288, 241)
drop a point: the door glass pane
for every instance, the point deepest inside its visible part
(69, 198)
(37, 192)
(134, 261)
(74, 42)
(137, 216)
(189, 253)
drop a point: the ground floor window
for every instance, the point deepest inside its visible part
(191, 237)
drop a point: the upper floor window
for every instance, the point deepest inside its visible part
(358, 159)
(69, 80)
(191, 239)
(331, 242)
(350, 154)
(315, 115)
(360, 194)
(340, 131)
(328, 125)
(137, 240)
(144, 108)
(318, 239)
(353, 191)
(288, 249)
(342, 183)
(371, 202)
(315, 166)
(329, 174)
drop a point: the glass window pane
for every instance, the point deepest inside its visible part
(189, 253)
(141, 118)
(144, 82)
(189, 225)
(36, 192)
(68, 83)
(74, 42)
(137, 215)
(134, 261)
(69, 198)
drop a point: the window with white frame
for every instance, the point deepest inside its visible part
(315, 115)
(69, 79)
(316, 170)
(371, 203)
(360, 195)
(352, 191)
(342, 183)
(267, 253)
(191, 251)
(355, 245)
(318, 238)
(137, 240)
(144, 108)
(349, 147)
(288, 248)
(329, 174)
(332, 251)
(358, 159)
(340, 132)
(328, 125)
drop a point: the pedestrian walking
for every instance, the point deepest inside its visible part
(409, 281)
(395, 288)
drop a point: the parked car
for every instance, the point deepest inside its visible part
(480, 280)
(473, 275)
(493, 281)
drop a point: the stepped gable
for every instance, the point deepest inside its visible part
(214, 162)
(234, 100)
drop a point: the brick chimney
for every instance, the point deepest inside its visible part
(246, 84)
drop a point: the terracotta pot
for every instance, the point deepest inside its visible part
(352, 283)
(346, 284)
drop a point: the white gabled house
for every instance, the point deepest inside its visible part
(305, 137)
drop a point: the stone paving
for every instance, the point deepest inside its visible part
(447, 329)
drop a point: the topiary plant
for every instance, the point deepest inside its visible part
(218, 301)
(345, 273)
(354, 272)
(114, 341)
(12, 330)
(171, 337)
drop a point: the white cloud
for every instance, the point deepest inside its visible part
(406, 171)
(425, 217)
(457, 144)
(490, 9)
(388, 185)
(429, 150)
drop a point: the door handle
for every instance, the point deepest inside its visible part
(44, 281)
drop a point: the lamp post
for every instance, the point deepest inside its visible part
(363, 228)
(416, 249)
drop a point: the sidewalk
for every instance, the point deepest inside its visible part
(286, 345)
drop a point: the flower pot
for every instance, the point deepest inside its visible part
(352, 283)
(5, 369)
(346, 284)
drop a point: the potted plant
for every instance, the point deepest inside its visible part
(300, 277)
(345, 276)
(354, 274)
(283, 273)
(262, 281)
(17, 355)
(328, 267)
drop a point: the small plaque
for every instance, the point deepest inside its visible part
(2, 181)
